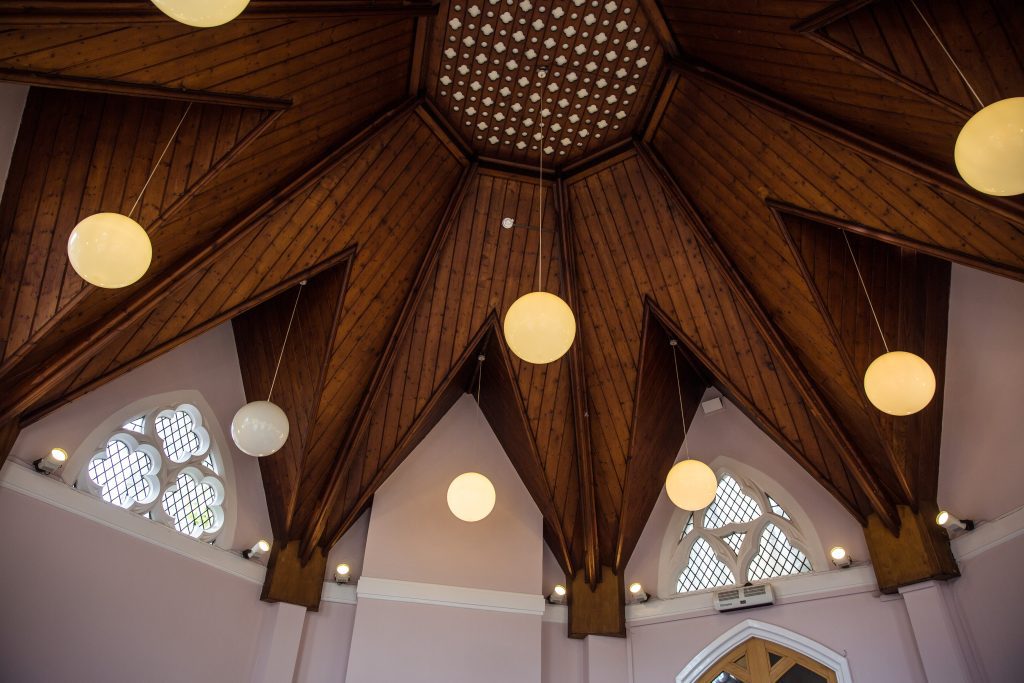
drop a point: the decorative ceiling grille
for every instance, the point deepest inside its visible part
(599, 57)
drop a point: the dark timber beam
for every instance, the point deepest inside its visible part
(108, 87)
(906, 161)
(313, 535)
(8, 435)
(577, 374)
(866, 478)
(599, 610)
(41, 12)
(36, 383)
(920, 552)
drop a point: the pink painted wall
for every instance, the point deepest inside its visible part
(563, 659)
(413, 536)
(990, 599)
(326, 637)
(875, 635)
(83, 602)
(207, 364)
(729, 433)
(350, 549)
(982, 429)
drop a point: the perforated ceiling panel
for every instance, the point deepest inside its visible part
(601, 57)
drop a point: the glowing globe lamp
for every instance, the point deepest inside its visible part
(539, 328)
(989, 151)
(691, 485)
(110, 250)
(899, 383)
(259, 428)
(202, 13)
(471, 497)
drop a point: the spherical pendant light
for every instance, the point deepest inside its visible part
(989, 151)
(202, 13)
(109, 250)
(471, 497)
(539, 327)
(691, 485)
(259, 428)
(899, 383)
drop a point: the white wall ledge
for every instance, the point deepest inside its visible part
(988, 535)
(450, 596)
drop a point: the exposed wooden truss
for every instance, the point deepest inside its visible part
(710, 217)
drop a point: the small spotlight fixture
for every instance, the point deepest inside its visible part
(839, 557)
(952, 524)
(342, 573)
(636, 594)
(52, 462)
(558, 595)
(258, 550)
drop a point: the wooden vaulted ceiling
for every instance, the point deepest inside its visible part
(715, 155)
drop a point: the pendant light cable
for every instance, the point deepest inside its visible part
(479, 375)
(865, 288)
(679, 388)
(284, 344)
(540, 188)
(943, 46)
(161, 159)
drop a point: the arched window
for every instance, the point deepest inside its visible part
(161, 465)
(745, 535)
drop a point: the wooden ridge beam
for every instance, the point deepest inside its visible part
(44, 12)
(577, 376)
(906, 161)
(831, 13)
(105, 86)
(37, 382)
(869, 482)
(343, 460)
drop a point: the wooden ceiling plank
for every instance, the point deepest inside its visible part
(903, 160)
(313, 535)
(867, 479)
(578, 387)
(111, 87)
(132, 12)
(58, 369)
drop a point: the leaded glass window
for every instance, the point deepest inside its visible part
(161, 466)
(745, 535)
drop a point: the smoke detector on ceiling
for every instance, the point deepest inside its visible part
(712, 406)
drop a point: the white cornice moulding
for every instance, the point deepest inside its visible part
(788, 590)
(450, 596)
(342, 593)
(988, 535)
(55, 492)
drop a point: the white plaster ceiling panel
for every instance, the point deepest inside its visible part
(515, 76)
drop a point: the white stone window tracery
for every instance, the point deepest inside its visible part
(744, 536)
(161, 465)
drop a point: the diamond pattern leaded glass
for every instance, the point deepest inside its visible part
(731, 506)
(136, 425)
(734, 540)
(776, 557)
(121, 475)
(180, 442)
(704, 570)
(776, 508)
(189, 504)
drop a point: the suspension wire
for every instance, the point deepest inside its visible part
(943, 46)
(865, 288)
(679, 388)
(161, 159)
(540, 191)
(287, 332)
(479, 375)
